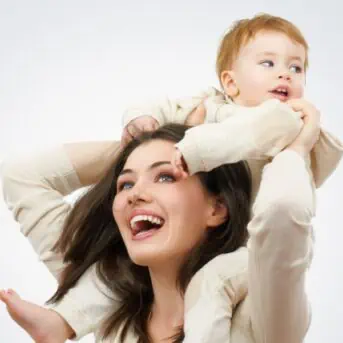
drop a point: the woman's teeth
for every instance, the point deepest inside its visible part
(141, 223)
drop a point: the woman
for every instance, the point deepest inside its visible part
(171, 227)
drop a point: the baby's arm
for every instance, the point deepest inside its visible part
(250, 133)
(168, 111)
(33, 190)
(189, 110)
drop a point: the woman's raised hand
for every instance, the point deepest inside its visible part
(43, 325)
(309, 133)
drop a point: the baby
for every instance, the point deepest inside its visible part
(261, 66)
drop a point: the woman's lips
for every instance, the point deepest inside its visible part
(144, 235)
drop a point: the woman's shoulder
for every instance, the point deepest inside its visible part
(228, 265)
(225, 270)
(223, 280)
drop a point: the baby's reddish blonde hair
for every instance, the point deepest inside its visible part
(244, 30)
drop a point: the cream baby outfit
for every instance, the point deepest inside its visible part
(232, 133)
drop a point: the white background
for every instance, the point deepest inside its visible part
(68, 69)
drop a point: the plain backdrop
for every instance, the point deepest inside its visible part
(68, 69)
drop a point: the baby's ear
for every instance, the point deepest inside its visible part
(219, 213)
(228, 81)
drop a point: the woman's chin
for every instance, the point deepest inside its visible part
(146, 257)
(147, 249)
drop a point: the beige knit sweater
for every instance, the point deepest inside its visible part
(254, 295)
(222, 289)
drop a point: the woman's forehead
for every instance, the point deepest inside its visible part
(150, 153)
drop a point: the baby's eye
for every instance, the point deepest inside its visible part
(165, 178)
(124, 185)
(267, 63)
(296, 69)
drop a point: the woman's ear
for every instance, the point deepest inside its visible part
(219, 213)
(229, 84)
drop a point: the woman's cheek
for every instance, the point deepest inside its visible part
(118, 204)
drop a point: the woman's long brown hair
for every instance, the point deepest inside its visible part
(91, 237)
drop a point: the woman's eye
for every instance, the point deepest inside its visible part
(124, 186)
(296, 69)
(267, 63)
(165, 178)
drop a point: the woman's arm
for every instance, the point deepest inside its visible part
(91, 159)
(280, 251)
(34, 190)
(281, 240)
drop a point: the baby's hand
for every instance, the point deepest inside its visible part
(136, 126)
(197, 116)
(179, 165)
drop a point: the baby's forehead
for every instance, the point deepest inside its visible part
(271, 42)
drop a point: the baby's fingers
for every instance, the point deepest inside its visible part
(180, 167)
(133, 130)
(151, 126)
(125, 138)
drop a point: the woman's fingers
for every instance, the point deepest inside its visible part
(309, 133)
(306, 108)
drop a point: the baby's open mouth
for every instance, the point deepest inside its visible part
(280, 91)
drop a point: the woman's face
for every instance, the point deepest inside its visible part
(161, 218)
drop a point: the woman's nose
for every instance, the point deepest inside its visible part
(138, 195)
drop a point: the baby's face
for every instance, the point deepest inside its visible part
(270, 65)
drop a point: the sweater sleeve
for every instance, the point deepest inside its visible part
(167, 110)
(34, 191)
(248, 133)
(280, 251)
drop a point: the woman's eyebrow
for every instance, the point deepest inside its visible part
(152, 166)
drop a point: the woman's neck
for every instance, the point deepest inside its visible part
(168, 306)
